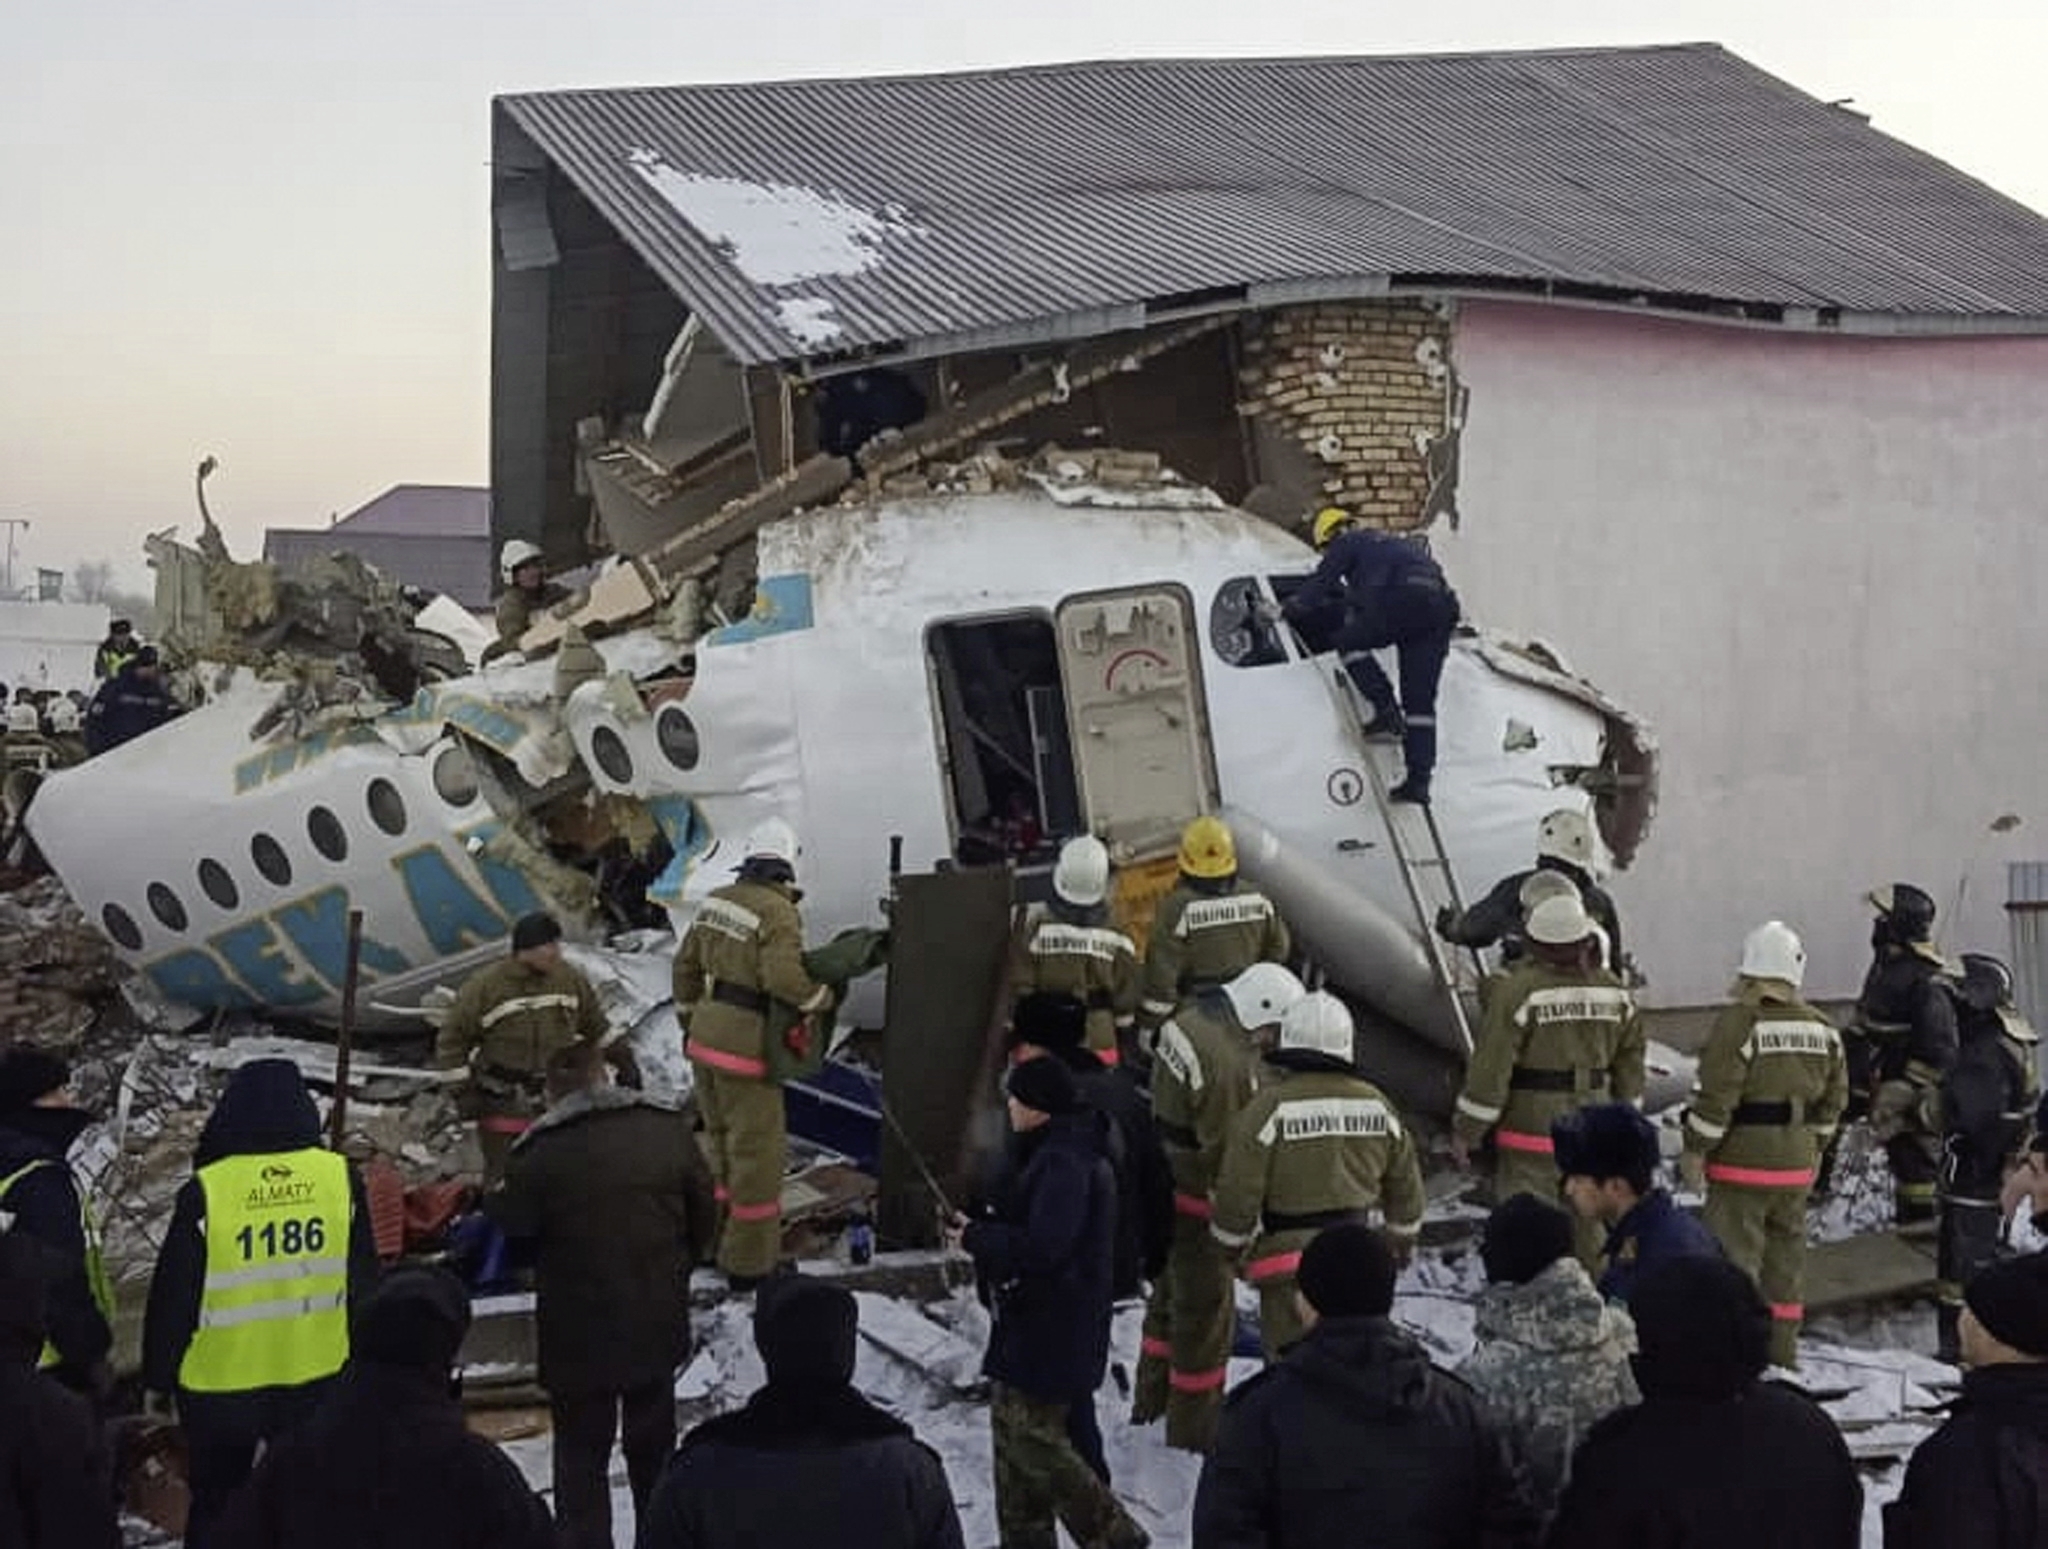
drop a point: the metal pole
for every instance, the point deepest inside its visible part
(337, 1118)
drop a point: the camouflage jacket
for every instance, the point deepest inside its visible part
(1554, 1041)
(743, 951)
(1205, 935)
(1772, 1083)
(1551, 1358)
(1204, 1071)
(1072, 952)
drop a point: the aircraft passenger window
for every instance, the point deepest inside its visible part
(609, 749)
(455, 777)
(164, 904)
(271, 862)
(121, 926)
(676, 734)
(387, 807)
(327, 834)
(217, 885)
(1236, 632)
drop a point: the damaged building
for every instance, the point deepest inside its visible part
(1713, 380)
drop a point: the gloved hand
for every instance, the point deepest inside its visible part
(1692, 1171)
(1446, 918)
(1269, 611)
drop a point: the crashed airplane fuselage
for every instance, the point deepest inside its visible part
(975, 675)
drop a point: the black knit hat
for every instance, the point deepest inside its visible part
(1347, 1272)
(1043, 1084)
(1607, 1140)
(806, 1331)
(535, 930)
(27, 1073)
(416, 1318)
(1524, 1237)
(1049, 1020)
(2011, 1300)
(1702, 1329)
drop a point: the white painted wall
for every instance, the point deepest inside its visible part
(1819, 566)
(50, 644)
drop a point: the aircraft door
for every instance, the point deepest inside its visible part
(1136, 713)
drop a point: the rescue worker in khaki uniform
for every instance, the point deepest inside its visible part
(1987, 1102)
(67, 732)
(742, 953)
(1072, 949)
(1210, 928)
(1560, 1033)
(507, 1022)
(528, 592)
(1317, 1145)
(1904, 1044)
(1205, 1069)
(1773, 1083)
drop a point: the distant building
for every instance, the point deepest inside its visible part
(435, 536)
(50, 644)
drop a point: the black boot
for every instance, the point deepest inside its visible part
(1419, 754)
(1385, 724)
(1414, 791)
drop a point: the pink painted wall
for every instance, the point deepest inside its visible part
(1819, 566)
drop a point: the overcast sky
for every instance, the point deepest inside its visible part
(259, 229)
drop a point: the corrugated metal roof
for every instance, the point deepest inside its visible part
(424, 510)
(957, 211)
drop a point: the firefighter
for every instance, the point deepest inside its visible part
(1317, 1145)
(1210, 928)
(1905, 1042)
(1564, 849)
(1393, 594)
(742, 955)
(1773, 1083)
(66, 732)
(1073, 950)
(1560, 1033)
(507, 1022)
(1987, 1101)
(1205, 1069)
(528, 592)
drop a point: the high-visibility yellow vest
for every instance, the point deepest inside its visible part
(95, 1262)
(274, 1311)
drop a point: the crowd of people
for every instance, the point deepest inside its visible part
(1180, 1120)
(47, 729)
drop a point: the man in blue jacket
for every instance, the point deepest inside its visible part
(1045, 1253)
(1608, 1156)
(1391, 593)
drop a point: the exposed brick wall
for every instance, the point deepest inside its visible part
(1354, 404)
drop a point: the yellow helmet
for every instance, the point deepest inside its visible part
(1330, 521)
(1206, 848)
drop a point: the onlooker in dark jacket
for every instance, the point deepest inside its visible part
(1712, 1455)
(54, 1490)
(1551, 1356)
(131, 702)
(39, 1124)
(387, 1460)
(807, 1461)
(264, 1126)
(1982, 1479)
(1607, 1155)
(1057, 1025)
(615, 1195)
(1045, 1255)
(1353, 1437)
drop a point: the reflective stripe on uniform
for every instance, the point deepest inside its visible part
(1761, 1177)
(273, 1308)
(556, 1001)
(1055, 939)
(1192, 1205)
(504, 1124)
(1176, 1051)
(1515, 1140)
(727, 919)
(1788, 1312)
(1478, 1111)
(1198, 1382)
(763, 1212)
(1230, 1240)
(722, 1059)
(1158, 1008)
(1272, 1266)
(1803, 1038)
(1575, 1003)
(100, 1287)
(1326, 1118)
(1704, 1128)
(1213, 913)
(1152, 1345)
(1405, 1228)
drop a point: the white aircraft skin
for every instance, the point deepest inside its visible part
(820, 709)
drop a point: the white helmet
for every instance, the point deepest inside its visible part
(772, 840)
(1262, 995)
(64, 719)
(1565, 835)
(1318, 1023)
(1558, 922)
(516, 552)
(1081, 875)
(23, 718)
(1774, 951)
(1540, 884)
